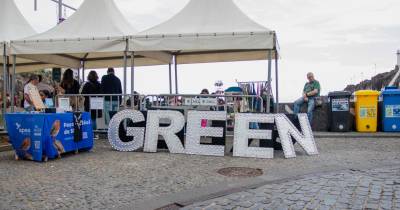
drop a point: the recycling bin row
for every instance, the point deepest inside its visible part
(367, 110)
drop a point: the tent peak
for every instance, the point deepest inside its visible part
(208, 16)
(12, 23)
(94, 18)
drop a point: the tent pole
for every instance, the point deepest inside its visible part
(176, 74)
(79, 76)
(269, 82)
(83, 66)
(83, 71)
(276, 82)
(4, 80)
(13, 83)
(125, 66)
(170, 78)
(60, 6)
(132, 75)
(8, 75)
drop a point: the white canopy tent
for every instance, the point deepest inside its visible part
(95, 36)
(13, 25)
(210, 31)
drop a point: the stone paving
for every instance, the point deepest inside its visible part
(107, 179)
(350, 189)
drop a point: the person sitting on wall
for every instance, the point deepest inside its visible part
(311, 90)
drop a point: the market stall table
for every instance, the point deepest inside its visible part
(39, 136)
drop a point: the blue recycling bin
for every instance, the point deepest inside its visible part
(390, 109)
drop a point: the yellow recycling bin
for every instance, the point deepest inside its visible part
(366, 103)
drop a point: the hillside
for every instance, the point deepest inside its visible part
(375, 83)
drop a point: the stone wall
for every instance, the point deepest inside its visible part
(321, 114)
(320, 122)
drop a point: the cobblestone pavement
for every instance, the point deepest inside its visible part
(350, 189)
(106, 179)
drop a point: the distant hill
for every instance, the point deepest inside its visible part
(375, 83)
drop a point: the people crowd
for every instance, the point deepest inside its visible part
(110, 84)
(110, 89)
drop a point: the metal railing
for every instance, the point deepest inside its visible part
(185, 102)
(132, 101)
(102, 106)
(202, 102)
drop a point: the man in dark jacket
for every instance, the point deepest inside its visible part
(111, 84)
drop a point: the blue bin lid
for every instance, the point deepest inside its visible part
(390, 88)
(391, 91)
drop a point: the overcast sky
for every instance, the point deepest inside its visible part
(341, 41)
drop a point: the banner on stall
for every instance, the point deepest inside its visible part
(35, 136)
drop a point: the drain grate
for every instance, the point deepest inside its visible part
(241, 172)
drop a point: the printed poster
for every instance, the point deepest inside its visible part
(201, 101)
(340, 105)
(96, 103)
(392, 111)
(368, 112)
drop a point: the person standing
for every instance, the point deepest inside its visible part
(204, 92)
(31, 85)
(44, 94)
(69, 85)
(42, 86)
(311, 90)
(111, 84)
(92, 87)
